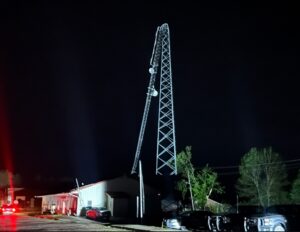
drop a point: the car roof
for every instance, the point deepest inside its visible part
(246, 209)
(99, 208)
(197, 212)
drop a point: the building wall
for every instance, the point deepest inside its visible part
(119, 207)
(127, 207)
(59, 204)
(94, 195)
(127, 185)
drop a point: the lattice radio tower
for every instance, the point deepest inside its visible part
(166, 142)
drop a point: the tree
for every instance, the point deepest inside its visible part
(295, 191)
(206, 183)
(200, 183)
(262, 177)
(186, 170)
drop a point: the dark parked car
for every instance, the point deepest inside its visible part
(275, 218)
(84, 210)
(191, 220)
(195, 220)
(233, 220)
(265, 222)
(291, 213)
(98, 213)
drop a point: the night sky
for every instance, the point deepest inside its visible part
(74, 76)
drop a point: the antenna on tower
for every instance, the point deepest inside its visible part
(166, 142)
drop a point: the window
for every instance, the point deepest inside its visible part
(89, 203)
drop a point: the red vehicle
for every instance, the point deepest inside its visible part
(98, 213)
(8, 209)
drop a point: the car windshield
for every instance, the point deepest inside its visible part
(195, 213)
(100, 208)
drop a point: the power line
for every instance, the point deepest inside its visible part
(287, 162)
(228, 173)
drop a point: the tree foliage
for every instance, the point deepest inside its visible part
(295, 191)
(206, 183)
(186, 170)
(201, 182)
(262, 177)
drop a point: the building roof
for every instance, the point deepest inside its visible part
(57, 195)
(74, 191)
(117, 194)
(14, 189)
(212, 202)
(98, 182)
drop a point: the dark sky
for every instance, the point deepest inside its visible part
(74, 76)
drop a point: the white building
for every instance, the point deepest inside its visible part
(118, 195)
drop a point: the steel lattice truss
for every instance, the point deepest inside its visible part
(166, 143)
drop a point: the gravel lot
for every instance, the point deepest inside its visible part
(57, 223)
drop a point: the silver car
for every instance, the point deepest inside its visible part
(265, 222)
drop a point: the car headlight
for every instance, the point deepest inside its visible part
(226, 220)
(251, 220)
(173, 224)
(267, 221)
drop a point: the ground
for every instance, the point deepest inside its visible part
(23, 222)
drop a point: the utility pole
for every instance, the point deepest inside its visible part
(80, 203)
(237, 203)
(142, 193)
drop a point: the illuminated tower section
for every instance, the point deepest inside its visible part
(166, 143)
